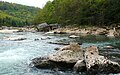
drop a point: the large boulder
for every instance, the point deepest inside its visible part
(77, 59)
(43, 27)
(96, 63)
(42, 62)
(65, 57)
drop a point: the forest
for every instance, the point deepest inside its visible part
(12, 14)
(80, 12)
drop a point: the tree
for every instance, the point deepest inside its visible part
(81, 12)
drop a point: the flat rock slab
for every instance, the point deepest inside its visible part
(67, 56)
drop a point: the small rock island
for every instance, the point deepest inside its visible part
(73, 57)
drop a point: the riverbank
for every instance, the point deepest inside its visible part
(110, 32)
(73, 30)
(5, 29)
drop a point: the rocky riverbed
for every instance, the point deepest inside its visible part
(15, 56)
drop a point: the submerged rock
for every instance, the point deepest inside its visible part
(81, 60)
(16, 38)
(108, 47)
(36, 39)
(57, 48)
(45, 38)
(59, 32)
(58, 43)
(73, 36)
(63, 43)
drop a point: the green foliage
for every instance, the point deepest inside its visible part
(81, 12)
(45, 14)
(12, 14)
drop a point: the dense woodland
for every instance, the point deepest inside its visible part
(80, 12)
(12, 14)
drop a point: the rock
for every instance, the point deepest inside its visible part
(73, 36)
(8, 31)
(84, 31)
(62, 58)
(81, 60)
(42, 62)
(46, 63)
(111, 33)
(99, 64)
(69, 54)
(36, 39)
(91, 54)
(118, 31)
(57, 49)
(58, 43)
(50, 32)
(59, 32)
(21, 30)
(43, 27)
(104, 66)
(62, 43)
(20, 39)
(80, 66)
(99, 31)
(45, 38)
(103, 32)
(54, 26)
(108, 47)
(72, 46)
(15, 38)
(46, 27)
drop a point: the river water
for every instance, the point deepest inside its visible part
(15, 56)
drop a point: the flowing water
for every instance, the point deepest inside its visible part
(15, 56)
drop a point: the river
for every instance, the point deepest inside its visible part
(15, 56)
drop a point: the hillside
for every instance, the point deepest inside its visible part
(12, 14)
(7, 20)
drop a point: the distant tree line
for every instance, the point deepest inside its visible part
(12, 14)
(81, 12)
